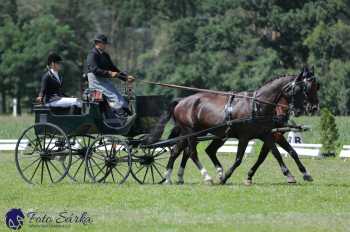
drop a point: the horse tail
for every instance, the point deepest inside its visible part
(175, 132)
(158, 130)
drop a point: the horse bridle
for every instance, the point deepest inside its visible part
(291, 87)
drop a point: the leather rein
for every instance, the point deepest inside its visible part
(213, 92)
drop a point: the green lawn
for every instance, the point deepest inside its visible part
(11, 127)
(269, 205)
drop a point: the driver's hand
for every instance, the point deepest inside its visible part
(113, 74)
(130, 79)
(39, 99)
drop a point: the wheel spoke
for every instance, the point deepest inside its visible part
(101, 170)
(35, 170)
(24, 169)
(159, 173)
(50, 162)
(85, 170)
(38, 140)
(144, 177)
(112, 149)
(113, 176)
(142, 167)
(96, 164)
(31, 141)
(48, 170)
(75, 161)
(42, 172)
(105, 147)
(92, 170)
(162, 158)
(76, 172)
(152, 174)
(49, 143)
(160, 164)
(119, 172)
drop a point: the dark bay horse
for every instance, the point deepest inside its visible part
(312, 103)
(202, 111)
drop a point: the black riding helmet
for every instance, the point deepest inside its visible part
(101, 38)
(53, 58)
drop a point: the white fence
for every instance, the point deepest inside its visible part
(231, 146)
(345, 152)
(304, 149)
(10, 144)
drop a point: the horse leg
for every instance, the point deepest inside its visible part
(262, 156)
(242, 145)
(211, 151)
(286, 146)
(270, 142)
(194, 156)
(181, 171)
(179, 147)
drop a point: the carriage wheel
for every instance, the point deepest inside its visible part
(108, 160)
(43, 154)
(79, 146)
(150, 166)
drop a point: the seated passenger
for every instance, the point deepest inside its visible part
(51, 86)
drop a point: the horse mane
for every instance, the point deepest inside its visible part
(276, 78)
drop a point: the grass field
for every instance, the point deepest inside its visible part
(269, 205)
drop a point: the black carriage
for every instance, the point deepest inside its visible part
(85, 147)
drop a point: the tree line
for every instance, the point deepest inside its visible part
(226, 44)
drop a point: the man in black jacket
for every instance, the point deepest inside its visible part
(51, 86)
(100, 70)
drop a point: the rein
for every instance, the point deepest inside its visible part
(212, 91)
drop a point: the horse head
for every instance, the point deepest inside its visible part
(311, 90)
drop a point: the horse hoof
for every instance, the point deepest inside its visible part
(248, 182)
(308, 178)
(209, 181)
(222, 181)
(180, 182)
(291, 180)
(168, 182)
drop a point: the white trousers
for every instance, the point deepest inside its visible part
(65, 102)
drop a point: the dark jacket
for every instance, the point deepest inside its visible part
(99, 63)
(51, 88)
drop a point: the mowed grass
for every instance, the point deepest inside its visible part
(269, 205)
(11, 127)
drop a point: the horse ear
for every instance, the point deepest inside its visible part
(301, 74)
(313, 70)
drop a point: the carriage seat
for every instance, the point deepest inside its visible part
(57, 110)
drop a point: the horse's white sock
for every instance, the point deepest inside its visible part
(168, 176)
(205, 174)
(220, 172)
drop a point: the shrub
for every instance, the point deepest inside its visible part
(329, 133)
